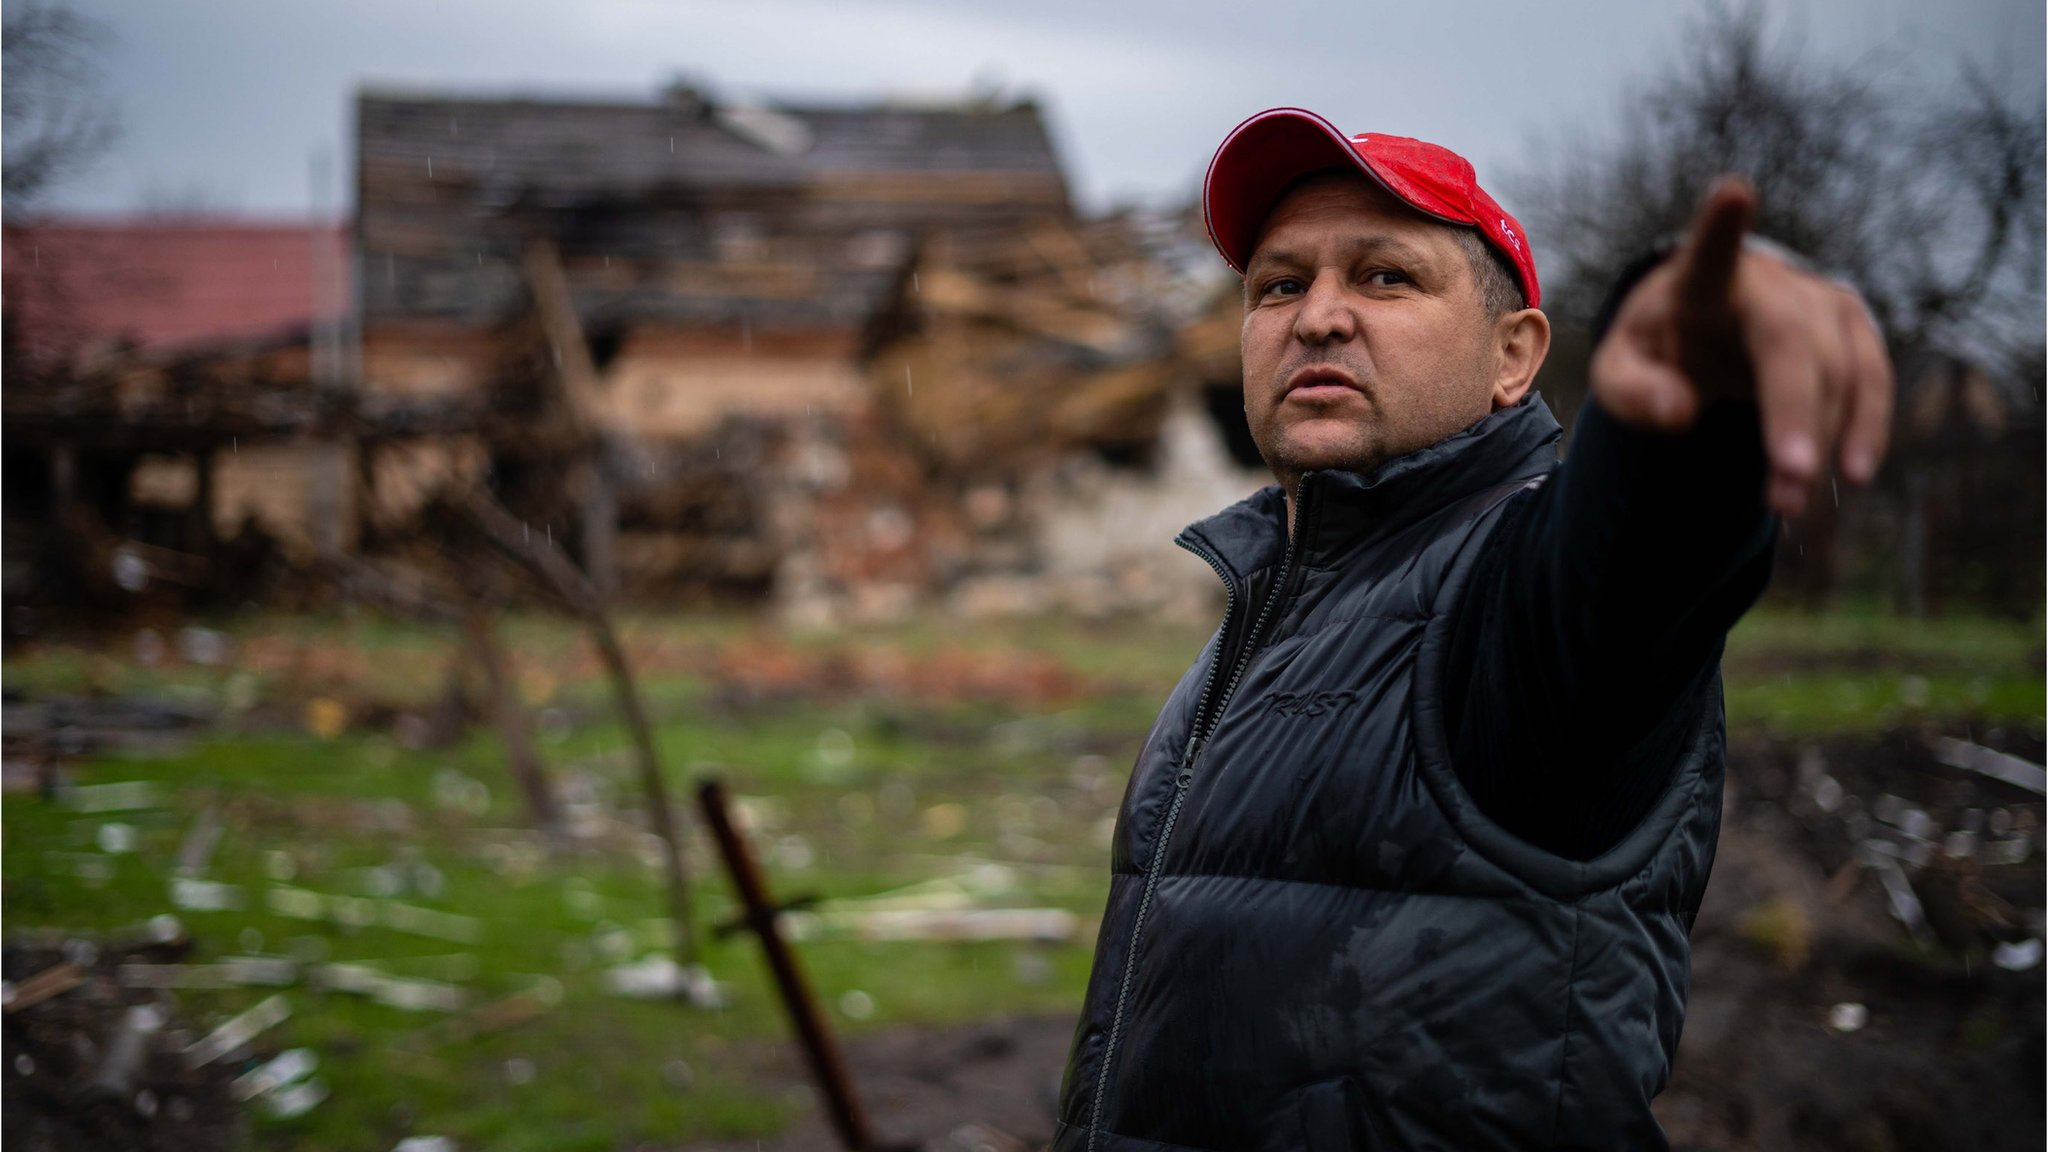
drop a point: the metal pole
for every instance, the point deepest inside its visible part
(820, 1051)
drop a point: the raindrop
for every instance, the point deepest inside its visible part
(671, 143)
(25, 1064)
(430, 167)
(907, 390)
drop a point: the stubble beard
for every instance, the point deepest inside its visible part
(1357, 450)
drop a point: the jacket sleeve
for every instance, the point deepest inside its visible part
(1591, 630)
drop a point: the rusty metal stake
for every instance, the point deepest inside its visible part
(820, 1050)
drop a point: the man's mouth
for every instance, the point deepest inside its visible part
(1319, 382)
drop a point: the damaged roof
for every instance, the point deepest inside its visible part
(683, 208)
(167, 288)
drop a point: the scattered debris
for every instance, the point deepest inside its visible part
(55, 980)
(197, 848)
(124, 796)
(409, 993)
(190, 895)
(115, 838)
(231, 972)
(116, 1074)
(499, 1015)
(363, 912)
(203, 646)
(1848, 1017)
(964, 924)
(856, 1005)
(1904, 902)
(239, 1031)
(101, 1068)
(2018, 957)
(659, 977)
(1997, 765)
(295, 1100)
(286, 1067)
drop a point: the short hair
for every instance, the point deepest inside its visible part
(1499, 290)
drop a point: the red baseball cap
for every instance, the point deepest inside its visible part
(1268, 152)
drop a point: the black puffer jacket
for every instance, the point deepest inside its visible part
(1313, 939)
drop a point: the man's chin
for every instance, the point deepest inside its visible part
(1295, 455)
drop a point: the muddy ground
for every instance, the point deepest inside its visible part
(1822, 1017)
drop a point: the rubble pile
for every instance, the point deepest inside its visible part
(94, 1062)
(1867, 963)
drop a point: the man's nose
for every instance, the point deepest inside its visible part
(1325, 315)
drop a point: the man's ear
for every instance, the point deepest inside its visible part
(1521, 341)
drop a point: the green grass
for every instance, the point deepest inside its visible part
(604, 1069)
(843, 783)
(1866, 671)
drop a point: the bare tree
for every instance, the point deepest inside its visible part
(1928, 199)
(1931, 205)
(55, 115)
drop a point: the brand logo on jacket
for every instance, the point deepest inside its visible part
(1308, 703)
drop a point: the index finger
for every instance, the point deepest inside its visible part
(1713, 247)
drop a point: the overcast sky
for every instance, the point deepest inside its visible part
(223, 103)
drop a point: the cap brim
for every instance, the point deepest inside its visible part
(1256, 163)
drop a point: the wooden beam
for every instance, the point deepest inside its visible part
(575, 373)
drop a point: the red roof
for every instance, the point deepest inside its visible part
(166, 287)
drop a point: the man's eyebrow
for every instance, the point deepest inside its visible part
(1376, 244)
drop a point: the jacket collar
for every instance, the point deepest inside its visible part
(1340, 509)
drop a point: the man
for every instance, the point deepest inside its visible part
(1411, 854)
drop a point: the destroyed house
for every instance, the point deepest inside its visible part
(718, 256)
(171, 384)
(688, 277)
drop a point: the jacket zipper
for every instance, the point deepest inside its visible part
(1208, 717)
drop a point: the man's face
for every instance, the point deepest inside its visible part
(1365, 337)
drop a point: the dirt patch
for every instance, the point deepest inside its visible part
(943, 1090)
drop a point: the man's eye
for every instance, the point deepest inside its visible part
(1385, 277)
(1284, 286)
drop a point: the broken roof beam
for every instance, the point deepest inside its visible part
(575, 373)
(1028, 310)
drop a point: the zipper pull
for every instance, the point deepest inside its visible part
(1187, 761)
